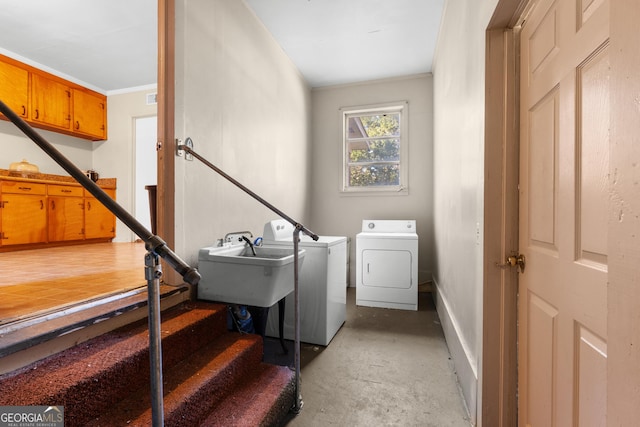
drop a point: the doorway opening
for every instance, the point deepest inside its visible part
(145, 169)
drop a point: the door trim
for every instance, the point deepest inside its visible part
(165, 212)
(499, 374)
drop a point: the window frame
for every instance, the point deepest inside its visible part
(402, 188)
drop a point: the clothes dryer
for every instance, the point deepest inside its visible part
(322, 285)
(387, 264)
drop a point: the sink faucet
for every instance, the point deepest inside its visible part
(231, 236)
(253, 249)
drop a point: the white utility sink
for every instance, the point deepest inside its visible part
(232, 274)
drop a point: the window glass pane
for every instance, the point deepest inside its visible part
(374, 150)
(374, 145)
(374, 174)
(384, 124)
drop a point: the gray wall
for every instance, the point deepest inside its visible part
(458, 185)
(334, 213)
(247, 109)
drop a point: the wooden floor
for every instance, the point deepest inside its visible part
(39, 281)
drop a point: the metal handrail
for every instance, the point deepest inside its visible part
(155, 246)
(298, 227)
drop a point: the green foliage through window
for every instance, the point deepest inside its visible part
(373, 143)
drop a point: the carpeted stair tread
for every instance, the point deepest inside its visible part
(211, 376)
(262, 400)
(191, 386)
(100, 370)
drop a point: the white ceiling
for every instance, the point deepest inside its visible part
(346, 41)
(110, 45)
(105, 44)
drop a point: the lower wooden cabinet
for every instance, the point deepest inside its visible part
(65, 212)
(24, 219)
(41, 214)
(99, 221)
(23, 213)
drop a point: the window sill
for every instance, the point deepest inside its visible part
(403, 191)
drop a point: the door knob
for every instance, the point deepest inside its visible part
(516, 260)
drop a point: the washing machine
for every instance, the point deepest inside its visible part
(322, 282)
(387, 264)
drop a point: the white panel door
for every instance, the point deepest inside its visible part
(564, 137)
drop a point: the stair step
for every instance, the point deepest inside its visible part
(263, 400)
(101, 370)
(192, 386)
(25, 333)
(211, 377)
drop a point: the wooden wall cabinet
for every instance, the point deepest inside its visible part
(41, 214)
(49, 102)
(23, 213)
(16, 94)
(89, 114)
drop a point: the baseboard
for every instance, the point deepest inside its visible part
(465, 371)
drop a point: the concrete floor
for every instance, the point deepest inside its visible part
(383, 367)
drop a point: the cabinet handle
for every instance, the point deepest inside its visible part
(41, 205)
(77, 125)
(24, 188)
(88, 206)
(53, 204)
(24, 110)
(37, 113)
(65, 191)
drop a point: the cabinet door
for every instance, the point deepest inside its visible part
(24, 219)
(89, 114)
(50, 102)
(66, 218)
(99, 221)
(14, 88)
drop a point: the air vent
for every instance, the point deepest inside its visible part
(152, 98)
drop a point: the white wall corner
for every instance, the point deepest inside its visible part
(466, 371)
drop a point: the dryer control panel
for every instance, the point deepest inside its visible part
(389, 225)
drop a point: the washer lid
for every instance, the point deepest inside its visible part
(280, 231)
(307, 242)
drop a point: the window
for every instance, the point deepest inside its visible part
(375, 149)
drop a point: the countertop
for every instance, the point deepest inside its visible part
(49, 178)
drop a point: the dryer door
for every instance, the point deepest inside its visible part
(385, 268)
